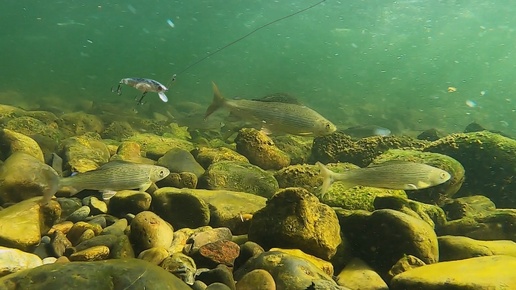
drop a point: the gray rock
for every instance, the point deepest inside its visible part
(178, 160)
(239, 176)
(149, 230)
(109, 274)
(80, 214)
(296, 219)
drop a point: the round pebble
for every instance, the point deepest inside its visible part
(80, 214)
(256, 280)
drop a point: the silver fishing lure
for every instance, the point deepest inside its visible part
(145, 86)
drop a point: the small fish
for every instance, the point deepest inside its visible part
(274, 116)
(363, 131)
(391, 175)
(114, 176)
(145, 86)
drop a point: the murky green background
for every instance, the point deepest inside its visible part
(380, 62)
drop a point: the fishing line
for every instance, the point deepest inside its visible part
(174, 76)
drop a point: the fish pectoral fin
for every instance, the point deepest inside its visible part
(145, 186)
(108, 194)
(411, 186)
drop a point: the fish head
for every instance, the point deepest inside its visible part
(161, 88)
(438, 176)
(324, 127)
(157, 173)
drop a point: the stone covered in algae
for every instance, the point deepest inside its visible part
(156, 146)
(260, 149)
(294, 218)
(458, 247)
(84, 153)
(130, 151)
(206, 156)
(300, 175)
(341, 147)
(79, 123)
(436, 194)
(239, 176)
(298, 148)
(12, 141)
(31, 126)
(118, 130)
(488, 159)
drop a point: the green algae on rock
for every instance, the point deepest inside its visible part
(178, 160)
(298, 148)
(12, 141)
(79, 123)
(300, 175)
(207, 156)
(156, 146)
(488, 159)
(296, 219)
(118, 130)
(260, 149)
(31, 126)
(109, 274)
(460, 247)
(84, 153)
(239, 176)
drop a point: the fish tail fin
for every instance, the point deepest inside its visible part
(327, 176)
(218, 101)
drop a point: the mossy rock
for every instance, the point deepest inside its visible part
(118, 130)
(488, 159)
(301, 175)
(206, 156)
(260, 149)
(79, 123)
(298, 148)
(12, 142)
(84, 153)
(239, 176)
(31, 126)
(156, 146)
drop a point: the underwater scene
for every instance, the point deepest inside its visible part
(241, 145)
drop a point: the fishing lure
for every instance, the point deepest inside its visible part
(143, 85)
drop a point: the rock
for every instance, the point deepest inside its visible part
(458, 248)
(68, 206)
(78, 229)
(247, 251)
(79, 123)
(16, 185)
(435, 194)
(226, 208)
(239, 176)
(301, 175)
(358, 275)
(117, 228)
(201, 238)
(488, 159)
(181, 209)
(260, 149)
(220, 274)
(154, 255)
(32, 126)
(84, 153)
(96, 205)
(199, 285)
(182, 266)
(98, 220)
(296, 219)
(469, 206)
(289, 272)
(91, 254)
(109, 274)
(118, 130)
(59, 243)
(256, 280)
(119, 246)
(129, 201)
(23, 223)
(49, 260)
(430, 135)
(206, 156)
(383, 237)
(16, 142)
(178, 160)
(339, 147)
(179, 180)
(156, 146)
(181, 236)
(130, 151)
(14, 260)
(406, 263)
(482, 273)
(80, 214)
(325, 266)
(218, 252)
(298, 148)
(218, 286)
(149, 230)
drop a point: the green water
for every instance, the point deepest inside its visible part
(380, 62)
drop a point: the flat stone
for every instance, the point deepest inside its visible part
(91, 254)
(219, 252)
(459, 247)
(14, 260)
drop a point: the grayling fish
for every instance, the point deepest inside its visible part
(391, 175)
(114, 176)
(274, 116)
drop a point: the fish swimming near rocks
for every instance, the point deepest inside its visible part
(274, 117)
(114, 176)
(394, 174)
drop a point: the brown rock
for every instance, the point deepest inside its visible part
(219, 252)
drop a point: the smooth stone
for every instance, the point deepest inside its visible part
(98, 220)
(217, 286)
(358, 275)
(97, 206)
(118, 228)
(481, 273)
(18, 142)
(296, 219)
(260, 149)
(68, 206)
(91, 254)
(154, 255)
(181, 236)
(129, 201)
(406, 263)
(247, 251)
(199, 285)
(149, 230)
(219, 252)
(119, 246)
(182, 266)
(179, 180)
(206, 156)
(14, 260)
(256, 280)
(178, 160)
(325, 266)
(220, 274)
(49, 260)
(180, 208)
(63, 227)
(80, 214)
(79, 228)
(458, 248)
(23, 223)
(108, 274)
(199, 239)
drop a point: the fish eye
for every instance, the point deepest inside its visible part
(443, 175)
(162, 173)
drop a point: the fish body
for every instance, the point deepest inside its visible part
(146, 85)
(402, 175)
(274, 116)
(114, 176)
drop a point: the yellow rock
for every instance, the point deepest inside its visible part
(91, 254)
(326, 266)
(21, 143)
